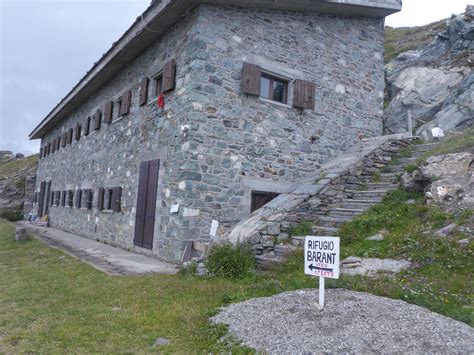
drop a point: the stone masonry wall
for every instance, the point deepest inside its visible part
(111, 156)
(216, 145)
(238, 143)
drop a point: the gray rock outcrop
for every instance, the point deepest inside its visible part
(446, 179)
(435, 83)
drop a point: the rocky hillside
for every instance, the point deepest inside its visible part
(430, 74)
(17, 180)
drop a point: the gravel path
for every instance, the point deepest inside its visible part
(352, 322)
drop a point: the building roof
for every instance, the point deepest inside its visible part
(161, 15)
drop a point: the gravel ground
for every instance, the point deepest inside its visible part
(351, 322)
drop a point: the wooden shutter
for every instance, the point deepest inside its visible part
(78, 198)
(126, 101)
(169, 73)
(108, 111)
(47, 197)
(63, 140)
(58, 142)
(116, 199)
(51, 199)
(144, 91)
(70, 133)
(97, 117)
(100, 199)
(78, 132)
(251, 76)
(48, 150)
(41, 153)
(53, 146)
(304, 94)
(88, 126)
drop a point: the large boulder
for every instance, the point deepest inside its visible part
(451, 176)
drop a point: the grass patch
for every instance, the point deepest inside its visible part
(53, 303)
(11, 215)
(13, 166)
(301, 229)
(441, 279)
(232, 261)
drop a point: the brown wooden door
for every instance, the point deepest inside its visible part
(41, 198)
(47, 197)
(146, 203)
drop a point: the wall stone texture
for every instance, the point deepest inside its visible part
(214, 143)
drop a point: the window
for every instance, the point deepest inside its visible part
(118, 107)
(108, 199)
(78, 198)
(70, 198)
(260, 198)
(63, 198)
(273, 88)
(158, 85)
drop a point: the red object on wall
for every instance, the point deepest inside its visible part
(161, 101)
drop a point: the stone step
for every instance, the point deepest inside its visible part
(381, 186)
(363, 207)
(340, 212)
(321, 230)
(334, 221)
(366, 193)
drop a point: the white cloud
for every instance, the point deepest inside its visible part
(422, 12)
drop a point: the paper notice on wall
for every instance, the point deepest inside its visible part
(174, 208)
(214, 226)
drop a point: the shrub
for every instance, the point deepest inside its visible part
(228, 260)
(11, 215)
(301, 229)
(20, 184)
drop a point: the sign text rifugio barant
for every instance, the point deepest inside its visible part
(322, 256)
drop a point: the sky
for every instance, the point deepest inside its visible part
(47, 46)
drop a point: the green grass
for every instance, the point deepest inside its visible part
(402, 39)
(52, 303)
(301, 229)
(10, 167)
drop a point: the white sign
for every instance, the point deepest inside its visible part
(214, 226)
(321, 256)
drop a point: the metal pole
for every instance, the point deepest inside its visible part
(321, 292)
(410, 124)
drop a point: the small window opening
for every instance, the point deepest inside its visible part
(261, 198)
(118, 107)
(158, 85)
(273, 88)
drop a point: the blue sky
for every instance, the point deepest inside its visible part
(46, 46)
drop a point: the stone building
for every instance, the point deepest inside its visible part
(203, 111)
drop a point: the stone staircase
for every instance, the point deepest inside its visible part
(361, 195)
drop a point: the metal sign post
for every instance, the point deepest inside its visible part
(321, 258)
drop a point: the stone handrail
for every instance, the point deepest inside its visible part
(277, 210)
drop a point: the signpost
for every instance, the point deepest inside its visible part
(321, 258)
